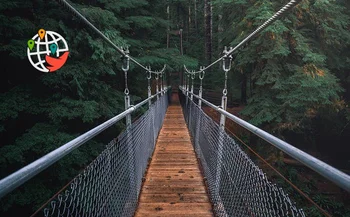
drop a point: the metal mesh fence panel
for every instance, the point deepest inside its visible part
(111, 184)
(237, 187)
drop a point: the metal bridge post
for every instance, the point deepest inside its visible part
(127, 105)
(196, 141)
(129, 136)
(187, 87)
(125, 68)
(161, 84)
(192, 78)
(191, 103)
(184, 79)
(149, 90)
(226, 67)
(201, 86)
(157, 78)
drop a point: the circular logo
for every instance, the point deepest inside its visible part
(47, 51)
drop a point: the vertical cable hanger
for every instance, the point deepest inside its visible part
(161, 83)
(157, 86)
(192, 78)
(149, 90)
(125, 68)
(201, 77)
(226, 66)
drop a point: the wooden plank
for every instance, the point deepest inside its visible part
(178, 150)
(174, 178)
(175, 161)
(169, 140)
(173, 215)
(179, 144)
(175, 182)
(175, 174)
(178, 167)
(174, 185)
(170, 189)
(181, 208)
(176, 197)
(152, 214)
(173, 170)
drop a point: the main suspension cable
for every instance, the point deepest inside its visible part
(87, 22)
(267, 23)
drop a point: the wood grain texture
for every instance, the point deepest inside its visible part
(174, 185)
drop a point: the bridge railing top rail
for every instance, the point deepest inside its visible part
(19, 177)
(338, 177)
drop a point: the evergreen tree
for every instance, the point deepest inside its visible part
(40, 112)
(288, 61)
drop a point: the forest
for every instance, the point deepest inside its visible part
(293, 80)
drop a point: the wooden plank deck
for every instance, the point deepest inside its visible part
(174, 184)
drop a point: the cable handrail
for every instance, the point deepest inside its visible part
(338, 177)
(104, 37)
(19, 177)
(263, 26)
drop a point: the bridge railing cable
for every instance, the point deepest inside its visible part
(19, 177)
(237, 186)
(111, 184)
(338, 177)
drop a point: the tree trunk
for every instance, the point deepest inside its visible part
(189, 20)
(181, 46)
(220, 30)
(195, 14)
(244, 89)
(168, 33)
(208, 30)
(219, 47)
(250, 84)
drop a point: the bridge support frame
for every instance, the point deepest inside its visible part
(200, 92)
(226, 65)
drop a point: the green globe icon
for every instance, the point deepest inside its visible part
(44, 45)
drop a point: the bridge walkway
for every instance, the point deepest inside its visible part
(174, 184)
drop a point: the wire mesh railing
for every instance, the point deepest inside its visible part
(237, 187)
(110, 185)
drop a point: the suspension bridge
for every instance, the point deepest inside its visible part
(173, 160)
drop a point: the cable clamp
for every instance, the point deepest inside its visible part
(201, 72)
(227, 60)
(126, 60)
(149, 76)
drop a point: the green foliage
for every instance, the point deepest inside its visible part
(298, 78)
(288, 62)
(40, 112)
(297, 69)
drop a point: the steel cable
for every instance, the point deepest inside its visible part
(267, 23)
(103, 36)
